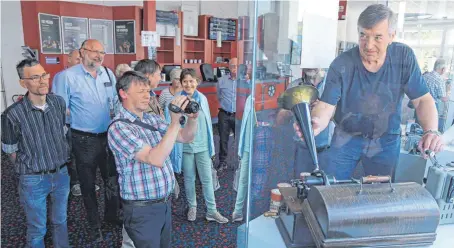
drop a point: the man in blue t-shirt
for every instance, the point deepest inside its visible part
(364, 90)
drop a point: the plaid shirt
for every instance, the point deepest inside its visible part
(436, 85)
(139, 181)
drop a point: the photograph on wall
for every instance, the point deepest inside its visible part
(125, 39)
(74, 32)
(102, 30)
(49, 33)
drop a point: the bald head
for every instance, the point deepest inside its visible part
(91, 43)
(92, 54)
(73, 58)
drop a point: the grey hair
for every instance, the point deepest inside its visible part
(439, 64)
(122, 68)
(129, 78)
(376, 13)
(25, 63)
(175, 74)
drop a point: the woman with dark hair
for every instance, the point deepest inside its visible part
(197, 155)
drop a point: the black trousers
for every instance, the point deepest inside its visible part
(149, 226)
(72, 169)
(226, 122)
(90, 153)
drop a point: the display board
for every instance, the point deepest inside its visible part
(226, 26)
(49, 33)
(125, 38)
(102, 30)
(74, 32)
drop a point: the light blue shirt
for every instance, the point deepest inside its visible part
(89, 100)
(199, 144)
(57, 84)
(176, 156)
(226, 91)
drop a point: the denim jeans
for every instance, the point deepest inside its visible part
(242, 183)
(33, 191)
(202, 162)
(379, 156)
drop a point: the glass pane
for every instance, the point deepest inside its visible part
(291, 44)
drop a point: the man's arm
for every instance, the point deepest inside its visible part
(187, 134)
(426, 112)
(321, 115)
(9, 137)
(122, 139)
(157, 155)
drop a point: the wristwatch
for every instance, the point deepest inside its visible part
(436, 132)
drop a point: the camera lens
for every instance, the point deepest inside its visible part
(192, 108)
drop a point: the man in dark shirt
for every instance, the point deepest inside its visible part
(364, 90)
(34, 134)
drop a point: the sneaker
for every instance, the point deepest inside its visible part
(237, 217)
(192, 214)
(96, 187)
(216, 216)
(75, 190)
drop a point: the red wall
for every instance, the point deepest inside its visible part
(30, 10)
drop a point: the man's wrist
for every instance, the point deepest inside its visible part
(431, 131)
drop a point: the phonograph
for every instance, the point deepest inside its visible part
(371, 211)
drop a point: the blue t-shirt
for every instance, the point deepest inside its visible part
(370, 103)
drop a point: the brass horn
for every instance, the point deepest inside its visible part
(298, 100)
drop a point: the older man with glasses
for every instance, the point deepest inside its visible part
(34, 135)
(226, 92)
(364, 90)
(89, 91)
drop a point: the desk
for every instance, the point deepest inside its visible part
(263, 233)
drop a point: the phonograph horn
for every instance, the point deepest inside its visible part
(298, 100)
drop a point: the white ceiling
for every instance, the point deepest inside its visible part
(110, 2)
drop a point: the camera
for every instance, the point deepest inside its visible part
(192, 108)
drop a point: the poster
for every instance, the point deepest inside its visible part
(102, 30)
(75, 31)
(49, 33)
(125, 39)
(150, 38)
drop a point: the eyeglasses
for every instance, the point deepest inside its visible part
(37, 78)
(93, 51)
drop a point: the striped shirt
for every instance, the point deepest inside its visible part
(165, 98)
(37, 136)
(139, 181)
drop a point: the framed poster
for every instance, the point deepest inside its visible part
(125, 38)
(49, 33)
(102, 30)
(74, 32)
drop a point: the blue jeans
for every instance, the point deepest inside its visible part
(379, 156)
(33, 191)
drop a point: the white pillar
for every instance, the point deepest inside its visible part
(12, 35)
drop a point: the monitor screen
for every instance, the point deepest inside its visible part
(167, 69)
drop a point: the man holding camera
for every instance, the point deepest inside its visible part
(141, 144)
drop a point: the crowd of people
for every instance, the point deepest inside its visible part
(115, 121)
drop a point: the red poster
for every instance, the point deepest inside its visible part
(342, 9)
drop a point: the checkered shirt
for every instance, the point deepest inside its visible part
(139, 181)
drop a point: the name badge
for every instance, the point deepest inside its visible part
(108, 84)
